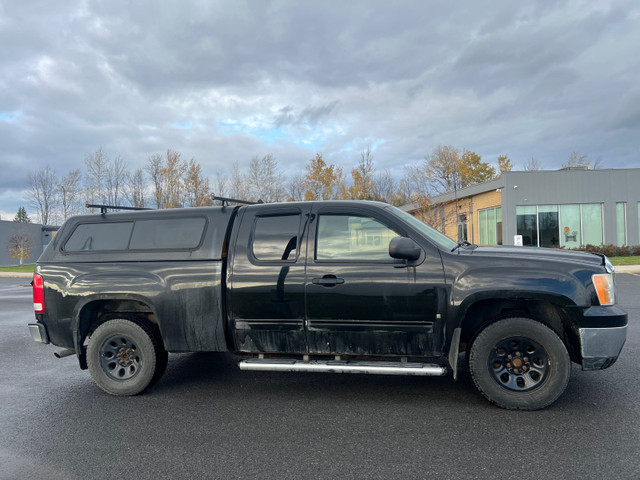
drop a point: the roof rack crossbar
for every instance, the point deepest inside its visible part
(104, 208)
(225, 201)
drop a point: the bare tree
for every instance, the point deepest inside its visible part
(134, 189)
(363, 187)
(220, 184)
(417, 183)
(295, 188)
(154, 168)
(577, 160)
(69, 191)
(532, 165)
(387, 189)
(95, 176)
(115, 178)
(442, 169)
(238, 185)
(42, 193)
(264, 180)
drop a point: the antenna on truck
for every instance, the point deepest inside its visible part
(104, 208)
(225, 201)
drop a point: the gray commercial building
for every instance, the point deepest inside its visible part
(40, 236)
(566, 208)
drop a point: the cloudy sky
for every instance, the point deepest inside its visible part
(225, 81)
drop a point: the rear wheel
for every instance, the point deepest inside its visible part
(519, 364)
(124, 357)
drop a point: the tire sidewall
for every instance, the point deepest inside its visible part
(555, 380)
(146, 349)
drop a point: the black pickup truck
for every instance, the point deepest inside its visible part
(345, 286)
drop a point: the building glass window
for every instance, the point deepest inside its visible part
(567, 225)
(548, 225)
(482, 227)
(621, 224)
(462, 227)
(490, 226)
(570, 226)
(527, 225)
(592, 224)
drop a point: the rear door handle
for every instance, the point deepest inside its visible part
(328, 281)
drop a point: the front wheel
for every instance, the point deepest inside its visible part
(519, 364)
(122, 357)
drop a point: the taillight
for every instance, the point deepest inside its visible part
(604, 288)
(38, 293)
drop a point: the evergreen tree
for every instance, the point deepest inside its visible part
(22, 216)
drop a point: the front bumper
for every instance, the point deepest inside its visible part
(600, 345)
(602, 336)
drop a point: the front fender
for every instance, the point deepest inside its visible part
(482, 284)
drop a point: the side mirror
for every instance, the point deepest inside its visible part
(404, 248)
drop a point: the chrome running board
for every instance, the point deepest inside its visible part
(342, 366)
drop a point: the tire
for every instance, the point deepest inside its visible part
(162, 359)
(123, 357)
(519, 364)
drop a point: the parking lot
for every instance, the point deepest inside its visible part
(207, 419)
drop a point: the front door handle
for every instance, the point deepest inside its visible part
(328, 281)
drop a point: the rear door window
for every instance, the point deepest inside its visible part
(275, 238)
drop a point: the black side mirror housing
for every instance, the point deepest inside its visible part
(404, 248)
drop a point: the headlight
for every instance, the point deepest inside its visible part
(603, 282)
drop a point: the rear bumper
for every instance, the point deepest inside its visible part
(39, 332)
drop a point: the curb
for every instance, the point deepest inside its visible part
(16, 275)
(627, 268)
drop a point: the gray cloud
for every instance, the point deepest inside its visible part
(224, 81)
(309, 115)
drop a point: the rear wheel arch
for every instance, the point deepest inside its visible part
(95, 312)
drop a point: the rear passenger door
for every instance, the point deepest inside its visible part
(266, 280)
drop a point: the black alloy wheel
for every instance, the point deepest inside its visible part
(123, 356)
(519, 363)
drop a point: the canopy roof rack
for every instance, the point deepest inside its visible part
(104, 208)
(225, 201)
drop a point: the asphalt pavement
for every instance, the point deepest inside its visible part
(207, 419)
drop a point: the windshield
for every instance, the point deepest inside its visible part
(436, 237)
